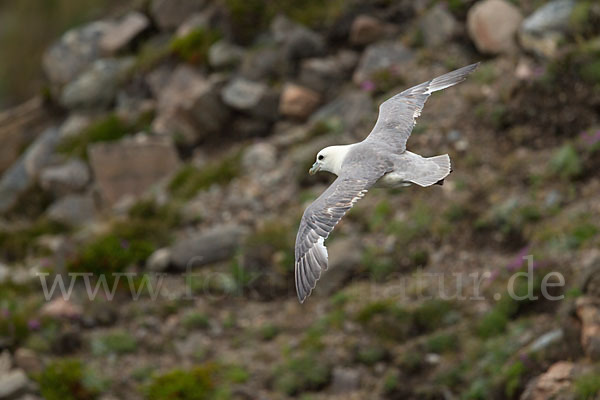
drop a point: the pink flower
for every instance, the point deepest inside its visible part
(368, 86)
(34, 324)
(590, 137)
(518, 261)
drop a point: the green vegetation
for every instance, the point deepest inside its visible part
(301, 374)
(196, 384)
(208, 381)
(15, 245)
(147, 210)
(510, 217)
(107, 129)
(152, 53)
(418, 223)
(16, 310)
(115, 342)
(566, 163)
(378, 265)
(125, 244)
(370, 355)
(442, 343)
(433, 314)
(190, 180)
(110, 253)
(513, 375)
(386, 80)
(195, 320)
(269, 331)
(270, 247)
(194, 46)
(580, 233)
(485, 74)
(386, 320)
(67, 380)
(250, 17)
(389, 321)
(495, 321)
(587, 386)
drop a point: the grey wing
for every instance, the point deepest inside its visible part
(397, 115)
(321, 217)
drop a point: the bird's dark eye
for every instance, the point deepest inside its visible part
(321, 157)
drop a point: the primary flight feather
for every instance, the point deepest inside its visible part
(381, 158)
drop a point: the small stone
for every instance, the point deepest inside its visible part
(132, 165)
(326, 74)
(97, 86)
(169, 14)
(12, 383)
(381, 56)
(551, 17)
(546, 45)
(192, 345)
(366, 29)
(61, 308)
(438, 26)
(124, 32)
(546, 340)
(253, 97)
(28, 360)
(70, 177)
(74, 125)
(298, 41)
(73, 210)
(5, 362)
(351, 108)
(259, 158)
(19, 126)
(345, 258)
(224, 54)
(345, 380)
(549, 385)
(74, 52)
(492, 25)
(193, 22)
(261, 64)
(5, 273)
(588, 311)
(22, 174)
(159, 260)
(298, 102)
(201, 248)
(189, 104)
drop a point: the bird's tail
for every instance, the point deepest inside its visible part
(432, 171)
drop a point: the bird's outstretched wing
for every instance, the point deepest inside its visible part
(398, 115)
(322, 216)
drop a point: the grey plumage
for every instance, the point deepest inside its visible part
(380, 158)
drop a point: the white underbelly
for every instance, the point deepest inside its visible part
(393, 179)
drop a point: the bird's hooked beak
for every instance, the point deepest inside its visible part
(315, 168)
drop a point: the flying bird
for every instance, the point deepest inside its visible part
(381, 158)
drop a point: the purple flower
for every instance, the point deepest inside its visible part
(590, 138)
(124, 244)
(517, 261)
(34, 324)
(5, 313)
(368, 86)
(494, 274)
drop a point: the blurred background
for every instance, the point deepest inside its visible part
(171, 139)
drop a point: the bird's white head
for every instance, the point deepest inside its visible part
(330, 159)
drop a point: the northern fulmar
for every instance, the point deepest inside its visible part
(381, 158)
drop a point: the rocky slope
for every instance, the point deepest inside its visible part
(170, 152)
